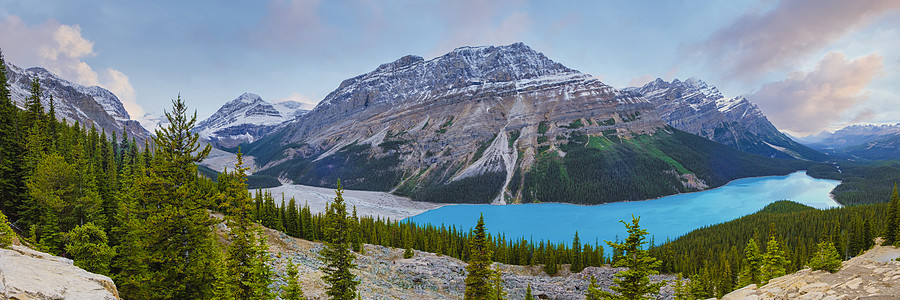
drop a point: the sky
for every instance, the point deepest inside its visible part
(809, 65)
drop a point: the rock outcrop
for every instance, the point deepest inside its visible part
(26, 274)
(873, 275)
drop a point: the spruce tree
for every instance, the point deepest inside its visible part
(12, 172)
(577, 262)
(497, 292)
(247, 262)
(528, 295)
(89, 248)
(6, 232)
(478, 285)
(292, 290)
(170, 220)
(634, 282)
(825, 258)
(593, 291)
(892, 232)
(336, 255)
(753, 260)
(774, 262)
(550, 261)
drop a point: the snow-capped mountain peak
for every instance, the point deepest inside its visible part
(244, 119)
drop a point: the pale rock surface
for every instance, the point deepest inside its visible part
(873, 275)
(26, 274)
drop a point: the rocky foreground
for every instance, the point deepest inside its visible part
(386, 275)
(26, 274)
(873, 275)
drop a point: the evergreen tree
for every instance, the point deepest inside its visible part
(826, 258)
(577, 262)
(774, 263)
(89, 248)
(478, 284)
(171, 222)
(355, 234)
(408, 253)
(6, 232)
(593, 291)
(892, 232)
(247, 263)
(753, 260)
(681, 289)
(528, 295)
(634, 282)
(12, 172)
(336, 255)
(550, 261)
(292, 291)
(497, 292)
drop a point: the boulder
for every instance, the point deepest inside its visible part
(27, 274)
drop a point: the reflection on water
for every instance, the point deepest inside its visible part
(670, 216)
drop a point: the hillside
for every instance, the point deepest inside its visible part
(493, 124)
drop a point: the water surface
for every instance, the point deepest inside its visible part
(670, 216)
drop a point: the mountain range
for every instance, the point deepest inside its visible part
(862, 141)
(245, 119)
(89, 106)
(699, 108)
(500, 124)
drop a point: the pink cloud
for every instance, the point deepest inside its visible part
(808, 102)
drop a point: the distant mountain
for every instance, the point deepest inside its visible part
(496, 124)
(699, 108)
(862, 141)
(245, 119)
(74, 102)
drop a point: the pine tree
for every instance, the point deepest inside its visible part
(336, 255)
(528, 295)
(170, 220)
(593, 291)
(6, 232)
(12, 172)
(247, 262)
(681, 289)
(89, 248)
(892, 232)
(478, 284)
(774, 263)
(826, 258)
(497, 292)
(550, 261)
(753, 260)
(634, 282)
(355, 235)
(577, 262)
(292, 290)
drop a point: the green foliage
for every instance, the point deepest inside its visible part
(336, 256)
(577, 261)
(292, 291)
(861, 182)
(593, 291)
(247, 263)
(574, 125)
(408, 253)
(513, 136)
(478, 278)
(89, 249)
(753, 261)
(774, 262)
(825, 258)
(640, 168)
(892, 232)
(543, 126)
(6, 232)
(497, 292)
(634, 282)
(475, 189)
(352, 165)
(528, 295)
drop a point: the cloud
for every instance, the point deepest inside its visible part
(476, 22)
(759, 42)
(642, 80)
(289, 24)
(308, 102)
(61, 49)
(808, 102)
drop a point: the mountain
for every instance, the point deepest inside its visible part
(861, 141)
(699, 108)
(74, 102)
(245, 119)
(495, 124)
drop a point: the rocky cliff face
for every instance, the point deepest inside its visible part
(476, 112)
(699, 108)
(73, 102)
(873, 275)
(245, 119)
(28, 274)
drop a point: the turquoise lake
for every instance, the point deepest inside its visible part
(666, 217)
